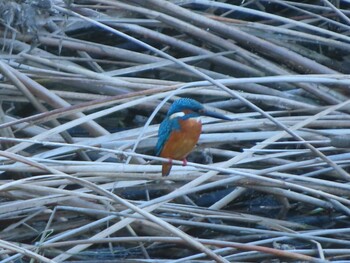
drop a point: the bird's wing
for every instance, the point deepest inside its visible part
(164, 132)
(163, 135)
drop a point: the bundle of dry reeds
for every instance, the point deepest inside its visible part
(84, 86)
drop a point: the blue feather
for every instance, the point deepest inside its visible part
(168, 125)
(184, 104)
(165, 129)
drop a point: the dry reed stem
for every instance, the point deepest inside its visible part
(81, 100)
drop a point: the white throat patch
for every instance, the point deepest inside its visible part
(176, 114)
(181, 114)
(197, 119)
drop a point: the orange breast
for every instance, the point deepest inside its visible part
(181, 142)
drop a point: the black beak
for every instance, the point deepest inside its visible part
(215, 115)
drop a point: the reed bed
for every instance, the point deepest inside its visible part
(84, 86)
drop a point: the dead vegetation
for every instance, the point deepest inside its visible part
(84, 85)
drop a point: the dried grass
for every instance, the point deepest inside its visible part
(84, 87)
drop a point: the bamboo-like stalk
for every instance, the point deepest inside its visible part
(84, 87)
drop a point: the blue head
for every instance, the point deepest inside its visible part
(183, 109)
(192, 108)
(186, 105)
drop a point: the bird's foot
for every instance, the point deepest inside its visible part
(184, 162)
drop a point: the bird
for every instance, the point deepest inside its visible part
(179, 132)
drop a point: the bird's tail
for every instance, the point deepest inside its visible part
(166, 167)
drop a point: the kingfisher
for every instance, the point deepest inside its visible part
(179, 132)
